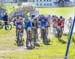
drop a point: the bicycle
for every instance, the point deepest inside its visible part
(29, 41)
(44, 36)
(7, 27)
(19, 36)
(59, 34)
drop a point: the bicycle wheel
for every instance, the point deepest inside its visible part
(19, 38)
(44, 37)
(29, 44)
(8, 27)
(29, 41)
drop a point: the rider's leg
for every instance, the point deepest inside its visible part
(46, 37)
(30, 40)
(22, 30)
(5, 25)
(36, 37)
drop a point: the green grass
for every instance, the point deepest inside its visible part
(7, 40)
(9, 8)
(66, 12)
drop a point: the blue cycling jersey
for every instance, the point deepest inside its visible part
(43, 24)
(39, 19)
(27, 24)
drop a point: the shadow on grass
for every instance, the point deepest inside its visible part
(62, 41)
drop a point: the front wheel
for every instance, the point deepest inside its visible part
(29, 44)
(8, 27)
(19, 42)
(59, 35)
(19, 38)
(44, 37)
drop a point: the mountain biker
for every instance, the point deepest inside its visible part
(43, 26)
(47, 19)
(28, 28)
(35, 30)
(59, 25)
(63, 21)
(19, 24)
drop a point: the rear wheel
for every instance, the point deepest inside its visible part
(19, 38)
(29, 44)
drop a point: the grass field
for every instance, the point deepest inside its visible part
(56, 49)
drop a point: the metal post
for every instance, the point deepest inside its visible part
(69, 39)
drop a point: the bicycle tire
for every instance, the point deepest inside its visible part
(19, 39)
(10, 27)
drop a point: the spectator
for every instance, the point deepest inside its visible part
(5, 19)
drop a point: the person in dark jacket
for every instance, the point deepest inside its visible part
(5, 19)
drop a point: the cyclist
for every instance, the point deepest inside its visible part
(59, 27)
(19, 24)
(47, 27)
(28, 28)
(35, 30)
(63, 21)
(43, 26)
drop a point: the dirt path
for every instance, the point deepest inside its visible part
(13, 50)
